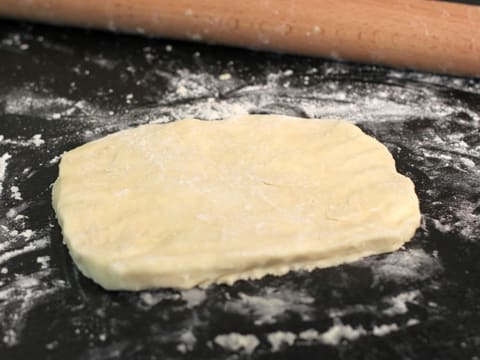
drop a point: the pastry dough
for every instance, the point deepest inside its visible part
(194, 202)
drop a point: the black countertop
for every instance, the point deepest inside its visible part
(60, 88)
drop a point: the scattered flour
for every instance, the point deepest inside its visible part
(334, 335)
(339, 331)
(29, 247)
(15, 193)
(237, 342)
(390, 306)
(193, 297)
(44, 261)
(150, 299)
(55, 159)
(35, 140)
(27, 234)
(309, 335)
(399, 302)
(26, 102)
(3, 168)
(22, 102)
(18, 297)
(278, 339)
(271, 304)
(403, 265)
(385, 329)
(413, 322)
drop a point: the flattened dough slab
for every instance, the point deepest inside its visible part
(194, 202)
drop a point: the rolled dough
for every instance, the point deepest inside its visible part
(194, 202)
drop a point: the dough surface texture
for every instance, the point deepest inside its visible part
(196, 202)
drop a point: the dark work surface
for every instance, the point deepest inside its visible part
(71, 86)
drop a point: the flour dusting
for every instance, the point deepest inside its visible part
(271, 304)
(398, 303)
(339, 331)
(29, 247)
(278, 339)
(18, 297)
(403, 265)
(237, 342)
(150, 299)
(3, 168)
(384, 329)
(15, 193)
(193, 297)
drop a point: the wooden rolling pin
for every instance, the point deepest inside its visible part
(427, 35)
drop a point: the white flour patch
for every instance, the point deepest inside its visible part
(354, 309)
(413, 322)
(309, 335)
(29, 103)
(150, 299)
(271, 304)
(385, 329)
(339, 331)
(237, 342)
(29, 247)
(278, 339)
(390, 306)
(15, 193)
(3, 168)
(193, 297)
(27, 234)
(398, 303)
(54, 160)
(403, 265)
(36, 140)
(334, 335)
(44, 261)
(22, 102)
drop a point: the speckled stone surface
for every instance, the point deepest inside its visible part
(61, 88)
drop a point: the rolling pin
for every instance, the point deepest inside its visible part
(426, 35)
